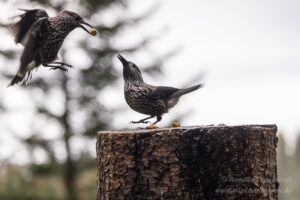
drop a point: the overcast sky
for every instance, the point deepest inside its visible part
(248, 50)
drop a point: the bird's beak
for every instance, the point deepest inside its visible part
(85, 23)
(123, 60)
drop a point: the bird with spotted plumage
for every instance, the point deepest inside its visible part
(42, 37)
(148, 99)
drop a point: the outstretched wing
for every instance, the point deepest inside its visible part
(20, 28)
(162, 93)
(32, 39)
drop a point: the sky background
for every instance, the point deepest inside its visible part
(247, 53)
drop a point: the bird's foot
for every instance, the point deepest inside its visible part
(152, 126)
(58, 67)
(139, 122)
(63, 64)
(175, 124)
(67, 65)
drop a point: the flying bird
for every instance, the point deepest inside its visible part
(42, 37)
(148, 99)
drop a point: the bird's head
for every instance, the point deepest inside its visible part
(77, 21)
(130, 71)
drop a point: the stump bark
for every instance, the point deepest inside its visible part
(202, 162)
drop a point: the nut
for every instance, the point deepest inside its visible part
(175, 124)
(152, 126)
(93, 32)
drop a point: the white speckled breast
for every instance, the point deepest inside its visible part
(137, 97)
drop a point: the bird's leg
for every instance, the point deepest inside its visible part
(54, 67)
(63, 64)
(153, 126)
(158, 118)
(142, 121)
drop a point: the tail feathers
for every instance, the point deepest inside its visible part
(17, 79)
(186, 90)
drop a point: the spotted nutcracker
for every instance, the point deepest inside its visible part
(42, 37)
(148, 99)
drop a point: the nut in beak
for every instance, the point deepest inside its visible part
(93, 32)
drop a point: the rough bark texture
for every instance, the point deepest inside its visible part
(211, 162)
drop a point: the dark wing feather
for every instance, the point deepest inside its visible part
(162, 92)
(31, 45)
(20, 28)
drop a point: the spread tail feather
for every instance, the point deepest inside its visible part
(17, 79)
(186, 90)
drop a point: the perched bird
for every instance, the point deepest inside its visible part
(42, 37)
(148, 99)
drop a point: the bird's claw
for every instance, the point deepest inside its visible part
(61, 68)
(70, 66)
(61, 64)
(138, 122)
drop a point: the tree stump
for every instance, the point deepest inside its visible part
(201, 162)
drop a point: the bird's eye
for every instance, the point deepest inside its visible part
(77, 18)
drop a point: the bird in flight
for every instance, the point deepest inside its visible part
(148, 99)
(42, 37)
